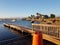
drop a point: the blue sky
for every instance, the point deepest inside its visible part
(24, 8)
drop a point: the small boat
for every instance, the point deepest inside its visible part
(14, 20)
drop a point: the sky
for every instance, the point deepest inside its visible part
(24, 8)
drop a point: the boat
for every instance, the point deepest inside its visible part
(13, 20)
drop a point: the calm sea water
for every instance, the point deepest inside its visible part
(12, 37)
(7, 35)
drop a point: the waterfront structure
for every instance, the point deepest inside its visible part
(49, 32)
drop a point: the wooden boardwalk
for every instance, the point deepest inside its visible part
(50, 32)
(19, 28)
(47, 33)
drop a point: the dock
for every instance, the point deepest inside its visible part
(19, 28)
(49, 32)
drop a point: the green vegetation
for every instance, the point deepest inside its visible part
(52, 15)
(39, 16)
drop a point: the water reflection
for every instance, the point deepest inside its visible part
(9, 35)
(16, 32)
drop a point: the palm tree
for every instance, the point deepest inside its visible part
(32, 16)
(38, 15)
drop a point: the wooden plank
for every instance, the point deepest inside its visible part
(51, 39)
(45, 36)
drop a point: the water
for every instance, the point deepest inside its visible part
(7, 34)
(12, 37)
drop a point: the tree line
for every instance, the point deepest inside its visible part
(38, 15)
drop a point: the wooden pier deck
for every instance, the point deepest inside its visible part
(19, 28)
(45, 35)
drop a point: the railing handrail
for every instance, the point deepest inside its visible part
(46, 25)
(48, 29)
